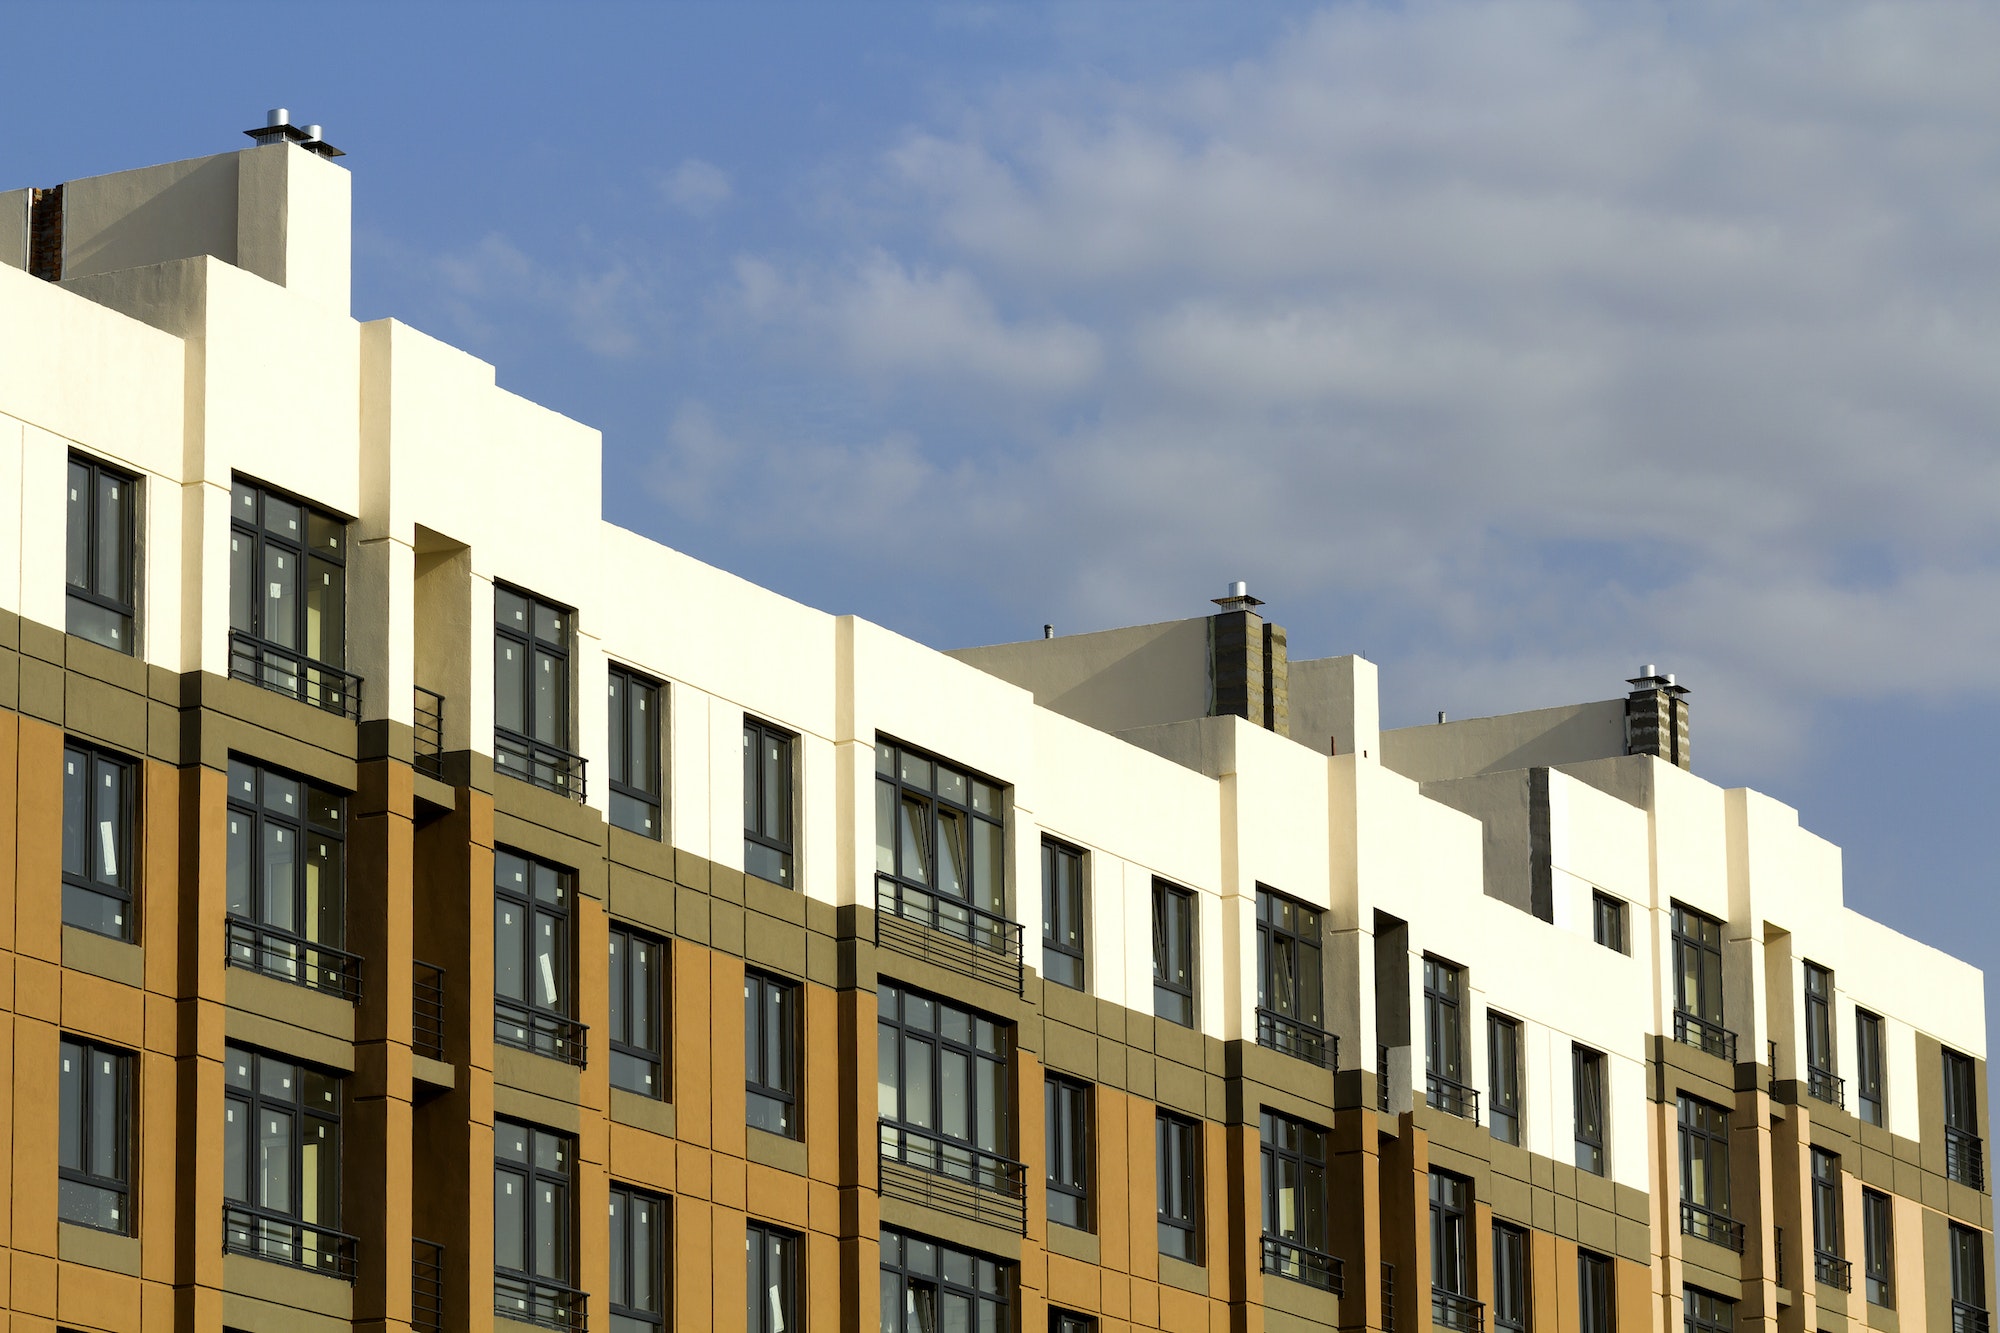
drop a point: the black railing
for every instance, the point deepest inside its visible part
(1830, 1270)
(1381, 1078)
(1967, 1318)
(427, 732)
(953, 934)
(280, 954)
(286, 1240)
(1827, 1086)
(427, 1286)
(1711, 1226)
(427, 1010)
(1691, 1030)
(1778, 1255)
(539, 1031)
(1302, 1263)
(1459, 1313)
(1302, 1041)
(1451, 1097)
(284, 671)
(1388, 1298)
(1965, 1158)
(549, 767)
(533, 1300)
(1773, 1048)
(922, 1168)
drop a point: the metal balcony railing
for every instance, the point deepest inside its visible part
(538, 763)
(280, 954)
(427, 1286)
(1711, 1226)
(948, 932)
(1827, 1086)
(1462, 1314)
(1772, 1088)
(980, 1186)
(533, 1300)
(292, 673)
(1965, 1158)
(1388, 1298)
(427, 1010)
(1830, 1270)
(427, 732)
(1302, 1041)
(1381, 1078)
(1302, 1263)
(1778, 1255)
(1452, 1097)
(1703, 1035)
(554, 1035)
(1967, 1318)
(263, 1234)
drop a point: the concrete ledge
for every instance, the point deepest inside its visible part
(649, 1114)
(288, 1019)
(515, 1104)
(99, 1249)
(1179, 1273)
(1079, 1245)
(263, 1297)
(775, 1150)
(102, 956)
(435, 1073)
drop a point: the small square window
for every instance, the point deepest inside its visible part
(1607, 921)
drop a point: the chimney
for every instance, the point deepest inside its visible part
(1247, 664)
(1656, 717)
(278, 128)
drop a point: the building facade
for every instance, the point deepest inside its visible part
(433, 907)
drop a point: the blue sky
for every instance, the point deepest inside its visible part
(1516, 345)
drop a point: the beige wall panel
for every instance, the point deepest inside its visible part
(128, 219)
(38, 865)
(15, 206)
(693, 984)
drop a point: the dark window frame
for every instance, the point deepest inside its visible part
(1503, 1076)
(1069, 1321)
(1177, 1169)
(1607, 920)
(915, 1267)
(290, 668)
(625, 1299)
(539, 1298)
(916, 1022)
(1290, 1148)
(1828, 1223)
(300, 952)
(88, 600)
(1869, 1083)
(1175, 953)
(1454, 1267)
(773, 1013)
(1878, 1248)
(1446, 1061)
(1697, 959)
(80, 1120)
(1703, 1134)
(1597, 1300)
(1705, 1312)
(909, 779)
(770, 832)
(1068, 1106)
(1512, 1279)
(1968, 1273)
(543, 1026)
(767, 1247)
(635, 806)
(1822, 1056)
(637, 994)
(245, 1092)
(1065, 915)
(523, 752)
(89, 891)
(1588, 1067)
(1291, 961)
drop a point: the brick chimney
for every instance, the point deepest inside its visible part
(1656, 717)
(1247, 666)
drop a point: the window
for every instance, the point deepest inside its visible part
(287, 880)
(638, 1260)
(1177, 1169)
(1964, 1158)
(767, 802)
(938, 831)
(101, 551)
(1706, 1312)
(97, 841)
(1510, 1279)
(1173, 953)
(771, 1053)
(1878, 1247)
(1452, 1305)
(1503, 1073)
(1290, 996)
(534, 1225)
(634, 727)
(1698, 1017)
(935, 1286)
(1295, 1202)
(531, 692)
(531, 948)
(94, 1147)
(1444, 1041)
(637, 982)
(1820, 1072)
(1587, 1079)
(1062, 914)
(1828, 1243)
(772, 1257)
(281, 1162)
(1868, 1066)
(1968, 1279)
(1704, 1134)
(1607, 921)
(1068, 1321)
(942, 1090)
(1595, 1309)
(1066, 1113)
(288, 598)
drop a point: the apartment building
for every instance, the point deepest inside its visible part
(433, 907)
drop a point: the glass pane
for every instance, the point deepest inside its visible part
(106, 1119)
(235, 1150)
(280, 596)
(76, 812)
(618, 732)
(915, 771)
(956, 1094)
(885, 828)
(323, 914)
(917, 1109)
(510, 1221)
(280, 884)
(242, 582)
(326, 613)
(551, 699)
(989, 885)
(951, 860)
(510, 609)
(241, 855)
(549, 1231)
(509, 948)
(951, 785)
(69, 1151)
(510, 684)
(887, 1073)
(549, 623)
(274, 1160)
(777, 796)
(283, 518)
(915, 840)
(547, 963)
(77, 551)
(618, 985)
(113, 561)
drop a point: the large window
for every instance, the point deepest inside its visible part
(1177, 1170)
(1597, 1311)
(1452, 1261)
(772, 1258)
(1503, 1075)
(931, 1287)
(1066, 1115)
(1173, 953)
(287, 879)
(638, 1260)
(93, 1158)
(97, 841)
(531, 692)
(1698, 1019)
(1968, 1279)
(767, 802)
(1878, 1247)
(1290, 996)
(534, 1225)
(942, 1088)
(938, 832)
(637, 984)
(281, 1162)
(1607, 921)
(1062, 914)
(1510, 1279)
(1704, 1135)
(1868, 1066)
(1829, 1241)
(634, 727)
(532, 1004)
(1444, 1040)
(1587, 1082)
(1706, 1312)
(771, 1053)
(1964, 1156)
(1069, 1321)
(288, 598)
(101, 554)
(1296, 1228)
(1821, 1074)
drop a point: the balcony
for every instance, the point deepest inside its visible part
(1967, 1318)
(533, 1300)
(1778, 1255)
(427, 732)
(554, 1035)
(290, 673)
(953, 934)
(1965, 1158)
(1830, 1270)
(1711, 1226)
(538, 763)
(1451, 1097)
(923, 1168)
(1300, 1263)
(1301, 1041)
(1388, 1298)
(287, 1240)
(1827, 1086)
(426, 1286)
(1460, 1313)
(427, 1010)
(1704, 1035)
(285, 956)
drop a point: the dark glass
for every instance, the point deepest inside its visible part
(1587, 1075)
(771, 1263)
(638, 1234)
(100, 555)
(634, 731)
(1510, 1279)
(1607, 921)
(1444, 1035)
(1868, 1066)
(1819, 1019)
(1878, 1247)
(1706, 1312)
(286, 877)
(767, 802)
(1066, 1116)
(1697, 965)
(1062, 914)
(93, 1186)
(1503, 1068)
(636, 984)
(97, 841)
(1594, 1295)
(1704, 1143)
(771, 1053)
(1289, 978)
(937, 1287)
(1177, 1171)
(1451, 1260)
(939, 829)
(1173, 953)
(1826, 1188)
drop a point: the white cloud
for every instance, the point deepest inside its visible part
(696, 187)
(604, 308)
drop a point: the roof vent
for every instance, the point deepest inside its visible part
(1239, 598)
(278, 128)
